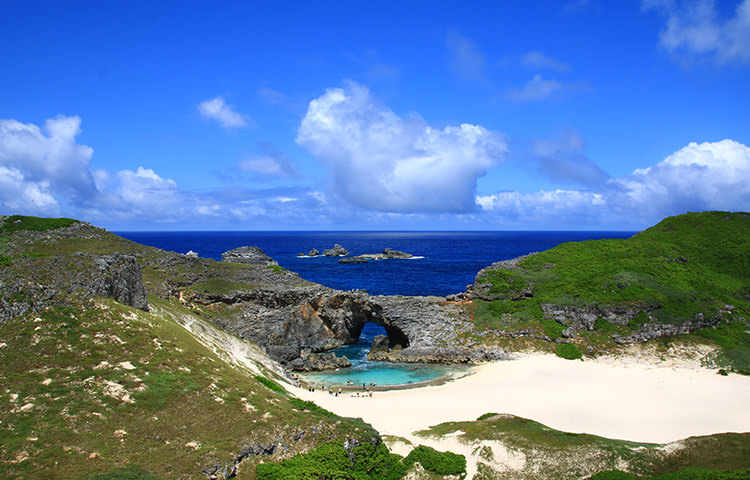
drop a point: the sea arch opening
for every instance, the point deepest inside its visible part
(369, 329)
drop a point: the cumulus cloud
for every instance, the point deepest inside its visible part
(705, 176)
(466, 59)
(44, 171)
(217, 109)
(556, 207)
(694, 31)
(562, 159)
(145, 191)
(539, 61)
(40, 165)
(698, 177)
(384, 162)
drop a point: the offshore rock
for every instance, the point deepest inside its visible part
(251, 255)
(384, 255)
(336, 251)
(357, 259)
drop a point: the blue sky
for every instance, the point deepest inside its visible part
(414, 115)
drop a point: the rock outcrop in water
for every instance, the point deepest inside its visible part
(250, 254)
(336, 251)
(384, 255)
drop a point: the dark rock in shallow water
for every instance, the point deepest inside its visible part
(379, 343)
(389, 253)
(308, 362)
(442, 355)
(357, 259)
(251, 255)
(336, 251)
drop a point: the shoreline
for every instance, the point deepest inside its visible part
(441, 380)
(627, 398)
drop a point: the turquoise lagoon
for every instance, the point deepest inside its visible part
(383, 374)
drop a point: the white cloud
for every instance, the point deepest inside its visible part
(466, 59)
(538, 60)
(535, 89)
(147, 193)
(562, 159)
(384, 162)
(706, 176)
(217, 109)
(39, 166)
(694, 31)
(267, 166)
(271, 164)
(698, 177)
(540, 88)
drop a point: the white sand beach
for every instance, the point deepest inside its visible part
(614, 398)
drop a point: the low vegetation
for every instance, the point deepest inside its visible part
(509, 447)
(95, 390)
(690, 268)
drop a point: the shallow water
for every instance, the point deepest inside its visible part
(364, 371)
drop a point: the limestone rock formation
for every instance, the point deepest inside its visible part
(336, 251)
(251, 255)
(357, 259)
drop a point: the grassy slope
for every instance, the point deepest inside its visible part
(63, 414)
(508, 447)
(687, 265)
(71, 404)
(89, 385)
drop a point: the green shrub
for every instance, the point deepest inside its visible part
(310, 407)
(20, 222)
(269, 383)
(442, 463)
(486, 416)
(568, 351)
(612, 475)
(687, 474)
(333, 461)
(276, 268)
(130, 472)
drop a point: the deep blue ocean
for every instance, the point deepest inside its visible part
(445, 263)
(448, 261)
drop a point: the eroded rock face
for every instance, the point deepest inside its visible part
(250, 254)
(336, 251)
(123, 280)
(650, 331)
(34, 283)
(294, 325)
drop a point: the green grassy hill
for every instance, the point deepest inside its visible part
(93, 389)
(91, 386)
(688, 274)
(513, 448)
